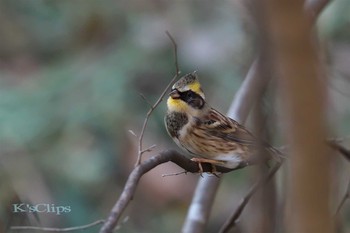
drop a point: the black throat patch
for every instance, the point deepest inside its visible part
(174, 122)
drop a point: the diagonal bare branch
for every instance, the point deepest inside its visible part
(232, 220)
(135, 176)
(344, 199)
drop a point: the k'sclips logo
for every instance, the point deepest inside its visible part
(40, 208)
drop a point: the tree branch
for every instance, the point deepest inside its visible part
(135, 176)
(188, 166)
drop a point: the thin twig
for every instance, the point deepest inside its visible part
(98, 222)
(232, 220)
(132, 133)
(140, 150)
(149, 149)
(175, 52)
(145, 99)
(175, 174)
(344, 199)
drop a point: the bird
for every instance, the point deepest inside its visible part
(206, 135)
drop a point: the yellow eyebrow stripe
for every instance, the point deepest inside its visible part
(196, 87)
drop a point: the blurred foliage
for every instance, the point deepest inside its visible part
(71, 77)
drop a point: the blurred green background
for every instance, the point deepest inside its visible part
(71, 74)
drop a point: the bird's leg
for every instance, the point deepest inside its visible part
(200, 168)
(213, 170)
(210, 161)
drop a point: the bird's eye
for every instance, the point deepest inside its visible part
(190, 95)
(193, 99)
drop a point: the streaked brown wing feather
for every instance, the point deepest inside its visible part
(218, 125)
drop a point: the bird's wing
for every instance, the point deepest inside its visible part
(219, 125)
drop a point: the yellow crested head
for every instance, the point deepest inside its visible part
(189, 82)
(186, 94)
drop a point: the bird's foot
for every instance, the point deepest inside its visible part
(212, 162)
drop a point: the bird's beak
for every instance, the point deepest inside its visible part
(175, 94)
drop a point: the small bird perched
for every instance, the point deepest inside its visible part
(207, 135)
